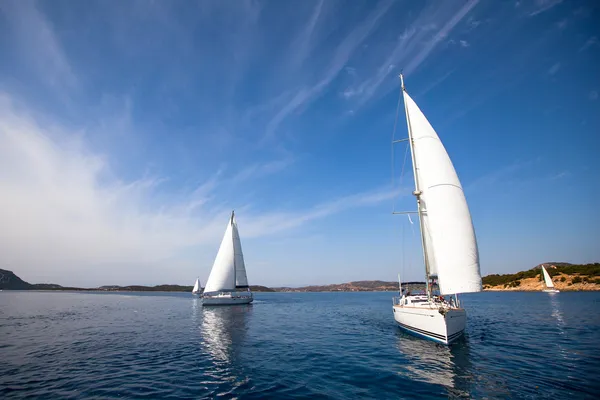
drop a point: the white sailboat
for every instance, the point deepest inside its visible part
(197, 287)
(447, 237)
(548, 282)
(228, 282)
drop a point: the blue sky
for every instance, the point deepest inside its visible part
(129, 130)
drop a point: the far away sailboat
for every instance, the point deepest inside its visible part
(548, 281)
(227, 282)
(196, 289)
(447, 237)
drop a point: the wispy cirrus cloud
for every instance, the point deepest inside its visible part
(414, 46)
(591, 42)
(560, 175)
(260, 170)
(310, 91)
(277, 222)
(304, 42)
(35, 40)
(554, 69)
(495, 177)
(543, 6)
(63, 209)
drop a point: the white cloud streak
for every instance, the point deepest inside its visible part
(496, 177)
(413, 47)
(544, 5)
(554, 69)
(341, 56)
(64, 214)
(592, 41)
(38, 44)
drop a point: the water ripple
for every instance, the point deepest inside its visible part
(327, 345)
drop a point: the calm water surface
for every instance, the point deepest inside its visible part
(287, 345)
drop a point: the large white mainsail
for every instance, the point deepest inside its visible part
(241, 279)
(547, 279)
(448, 234)
(222, 274)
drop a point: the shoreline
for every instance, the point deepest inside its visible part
(495, 290)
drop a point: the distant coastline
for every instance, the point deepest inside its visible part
(566, 277)
(10, 281)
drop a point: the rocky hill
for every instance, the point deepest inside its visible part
(565, 276)
(9, 281)
(357, 286)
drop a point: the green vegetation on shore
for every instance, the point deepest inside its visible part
(588, 272)
(9, 281)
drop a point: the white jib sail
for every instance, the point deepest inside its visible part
(241, 279)
(222, 274)
(547, 278)
(450, 238)
(196, 286)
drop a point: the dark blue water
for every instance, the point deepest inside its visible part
(317, 345)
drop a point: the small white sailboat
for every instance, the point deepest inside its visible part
(447, 237)
(197, 287)
(228, 282)
(548, 282)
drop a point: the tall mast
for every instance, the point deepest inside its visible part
(417, 193)
(233, 243)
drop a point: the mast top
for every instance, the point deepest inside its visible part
(232, 214)
(402, 80)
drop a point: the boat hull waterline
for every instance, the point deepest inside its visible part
(226, 299)
(551, 291)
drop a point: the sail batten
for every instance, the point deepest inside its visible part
(448, 233)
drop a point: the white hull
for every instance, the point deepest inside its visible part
(224, 299)
(551, 291)
(425, 320)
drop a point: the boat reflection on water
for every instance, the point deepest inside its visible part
(430, 362)
(223, 330)
(196, 306)
(222, 335)
(557, 313)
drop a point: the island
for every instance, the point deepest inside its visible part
(566, 277)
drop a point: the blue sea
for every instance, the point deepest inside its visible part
(292, 345)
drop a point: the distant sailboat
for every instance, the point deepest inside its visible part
(197, 287)
(447, 237)
(227, 282)
(548, 282)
